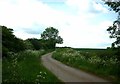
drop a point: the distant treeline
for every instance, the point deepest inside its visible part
(88, 49)
(10, 43)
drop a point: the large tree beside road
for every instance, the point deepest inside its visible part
(50, 36)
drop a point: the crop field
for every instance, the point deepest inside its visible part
(25, 67)
(101, 62)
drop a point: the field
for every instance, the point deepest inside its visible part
(25, 67)
(100, 62)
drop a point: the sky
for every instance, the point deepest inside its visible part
(81, 23)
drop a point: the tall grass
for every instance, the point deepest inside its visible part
(99, 62)
(26, 67)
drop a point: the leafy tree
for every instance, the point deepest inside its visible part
(7, 38)
(50, 36)
(29, 45)
(114, 5)
(36, 43)
(114, 30)
(10, 42)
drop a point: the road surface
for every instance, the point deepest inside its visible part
(67, 73)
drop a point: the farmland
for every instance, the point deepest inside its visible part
(99, 62)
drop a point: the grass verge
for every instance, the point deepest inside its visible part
(92, 62)
(25, 67)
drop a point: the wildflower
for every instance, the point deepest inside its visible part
(45, 73)
(40, 72)
(39, 76)
(43, 77)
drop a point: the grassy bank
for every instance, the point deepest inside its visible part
(97, 61)
(26, 67)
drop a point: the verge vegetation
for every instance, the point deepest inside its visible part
(26, 67)
(21, 59)
(100, 62)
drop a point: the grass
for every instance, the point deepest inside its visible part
(26, 67)
(99, 62)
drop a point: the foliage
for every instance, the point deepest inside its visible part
(25, 67)
(115, 5)
(20, 63)
(100, 62)
(114, 30)
(36, 44)
(28, 45)
(50, 35)
(10, 42)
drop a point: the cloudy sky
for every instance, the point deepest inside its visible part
(81, 23)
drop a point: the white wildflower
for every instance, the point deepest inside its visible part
(40, 72)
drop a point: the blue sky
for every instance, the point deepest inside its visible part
(81, 23)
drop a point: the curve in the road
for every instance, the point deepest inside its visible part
(67, 73)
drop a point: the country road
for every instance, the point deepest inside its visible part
(66, 73)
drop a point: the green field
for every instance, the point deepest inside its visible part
(99, 62)
(25, 67)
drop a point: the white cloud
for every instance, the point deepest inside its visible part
(86, 35)
(78, 4)
(26, 35)
(24, 13)
(76, 30)
(85, 6)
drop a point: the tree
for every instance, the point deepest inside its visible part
(35, 43)
(10, 42)
(114, 30)
(29, 45)
(114, 5)
(50, 35)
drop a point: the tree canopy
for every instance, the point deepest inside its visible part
(50, 35)
(114, 30)
(10, 42)
(34, 43)
(114, 5)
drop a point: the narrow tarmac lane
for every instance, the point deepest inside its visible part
(66, 73)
